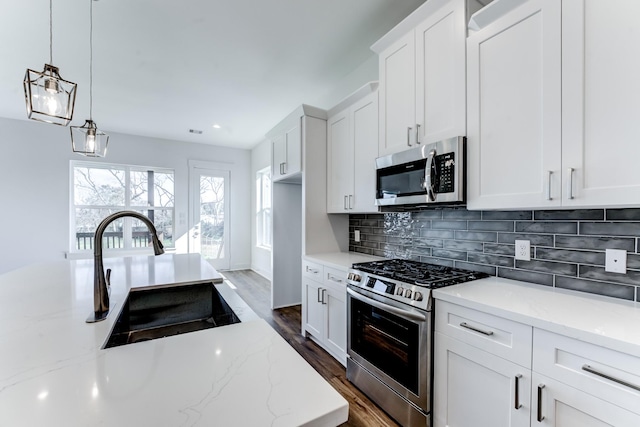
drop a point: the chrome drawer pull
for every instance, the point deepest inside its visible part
(610, 378)
(312, 270)
(465, 325)
(540, 417)
(517, 404)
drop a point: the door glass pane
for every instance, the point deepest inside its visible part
(212, 217)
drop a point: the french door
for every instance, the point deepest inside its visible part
(209, 217)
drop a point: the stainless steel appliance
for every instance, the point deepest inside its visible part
(431, 173)
(390, 333)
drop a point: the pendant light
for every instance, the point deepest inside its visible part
(49, 97)
(88, 139)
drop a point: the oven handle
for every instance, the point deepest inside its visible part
(398, 311)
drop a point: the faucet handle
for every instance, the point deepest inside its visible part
(108, 281)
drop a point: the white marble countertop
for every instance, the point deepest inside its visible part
(605, 321)
(54, 372)
(340, 260)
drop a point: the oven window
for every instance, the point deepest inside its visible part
(387, 341)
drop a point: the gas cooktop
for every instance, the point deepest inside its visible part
(418, 273)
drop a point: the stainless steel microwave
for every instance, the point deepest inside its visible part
(427, 174)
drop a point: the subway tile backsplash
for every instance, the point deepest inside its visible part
(567, 246)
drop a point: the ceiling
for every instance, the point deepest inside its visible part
(162, 67)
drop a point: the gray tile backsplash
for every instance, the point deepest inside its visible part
(567, 246)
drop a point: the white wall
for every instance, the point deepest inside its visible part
(34, 187)
(366, 72)
(260, 257)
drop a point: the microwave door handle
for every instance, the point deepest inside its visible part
(428, 181)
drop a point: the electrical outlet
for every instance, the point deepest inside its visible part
(615, 261)
(523, 250)
(356, 235)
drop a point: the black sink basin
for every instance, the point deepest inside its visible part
(170, 310)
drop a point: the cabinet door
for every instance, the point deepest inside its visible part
(364, 124)
(397, 96)
(340, 162)
(557, 404)
(475, 388)
(293, 144)
(336, 324)
(440, 73)
(278, 158)
(514, 106)
(314, 309)
(600, 107)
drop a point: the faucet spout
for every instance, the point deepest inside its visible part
(101, 285)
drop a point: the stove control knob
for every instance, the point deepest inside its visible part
(400, 291)
(417, 296)
(350, 276)
(408, 293)
(357, 277)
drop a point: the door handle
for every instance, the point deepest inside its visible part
(345, 203)
(324, 292)
(409, 136)
(540, 417)
(428, 184)
(350, 200)
(517, 404)
(319, 297)
(549, 186)
(417, 134)
(570, 183)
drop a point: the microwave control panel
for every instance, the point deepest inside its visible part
(445, 165)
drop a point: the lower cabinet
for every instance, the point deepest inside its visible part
(324, 314)
(566, 383)
(476, 388)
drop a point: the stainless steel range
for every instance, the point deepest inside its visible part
(390, 333)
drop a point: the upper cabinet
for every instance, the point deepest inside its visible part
(422, 76)
(287, 140)
(352, 147)
(547, 124)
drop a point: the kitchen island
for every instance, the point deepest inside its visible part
(54, 371)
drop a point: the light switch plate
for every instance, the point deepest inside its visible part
(616, 261)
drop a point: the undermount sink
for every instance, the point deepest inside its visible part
(169, 310)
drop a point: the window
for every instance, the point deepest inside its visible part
(263, 207)
(100, 189)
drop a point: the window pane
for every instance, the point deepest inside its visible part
(150, 188)
(163, 221)
(99, 186)
(87, 221)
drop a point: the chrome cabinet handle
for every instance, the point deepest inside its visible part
(465, 325)
(549, 186)
(284, 168)
(589, 369)
(517, 404)
(319, 300)
(344, 204)
(312, 270)
(324, 292)
(570, 183)
(350, 200)
(417, 134)
(539, 414)
(333, 278)
(409, 136)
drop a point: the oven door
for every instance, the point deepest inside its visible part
(392, 342)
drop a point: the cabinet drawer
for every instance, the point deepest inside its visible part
(502, 337)
(608, 374)
(312, 270)
(335, 278)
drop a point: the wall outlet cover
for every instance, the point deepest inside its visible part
(356, 235)
(615, 261)
(523, 250)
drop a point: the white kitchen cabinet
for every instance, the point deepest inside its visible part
(287, 150)
(477, 388)
(422, 76)
(482, 369)
(352, 147)
(324, 311)
(560, 405)
(547, 123)
(513, 107)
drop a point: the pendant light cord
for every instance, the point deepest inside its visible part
(51, 32)
(91, 62)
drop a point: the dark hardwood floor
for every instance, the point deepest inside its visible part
(256, 291)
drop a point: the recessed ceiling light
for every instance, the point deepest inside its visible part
(216, 126)
(196, 131)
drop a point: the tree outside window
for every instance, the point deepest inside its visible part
(101, 189)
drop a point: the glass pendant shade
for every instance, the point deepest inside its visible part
(88, 140)
(49, 97)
